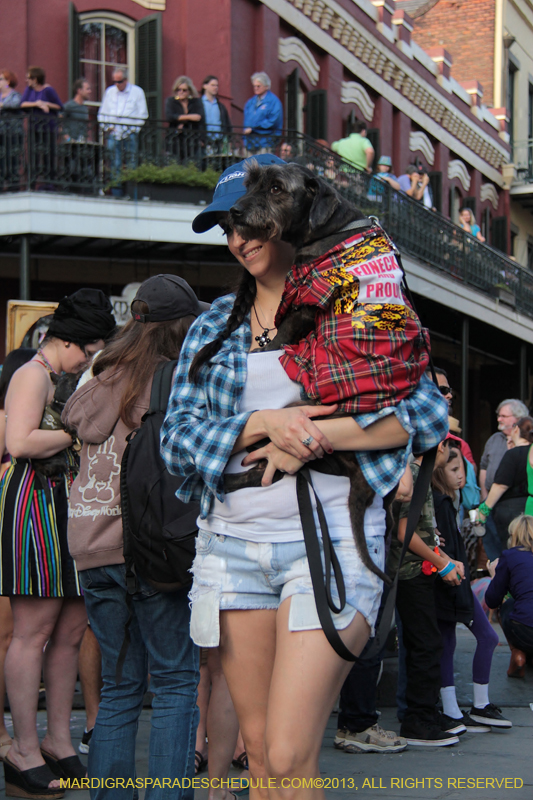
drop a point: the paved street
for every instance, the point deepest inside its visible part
(425, 773)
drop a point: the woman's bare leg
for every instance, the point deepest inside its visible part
(248, 648)
(34, 619)
(6, 633)
(60, 672)
(222, 727)
(306, 680)
(90, 669)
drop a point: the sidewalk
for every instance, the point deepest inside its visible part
(425, 773)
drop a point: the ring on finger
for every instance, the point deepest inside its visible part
(307, 441)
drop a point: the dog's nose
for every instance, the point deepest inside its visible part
(236, 210)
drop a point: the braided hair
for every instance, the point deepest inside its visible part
(244, 300)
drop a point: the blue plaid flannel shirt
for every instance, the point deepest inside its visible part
(203, 420)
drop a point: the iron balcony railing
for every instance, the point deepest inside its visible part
(38, 152)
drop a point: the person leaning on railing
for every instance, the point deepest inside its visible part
(122, 115)
(184, 112)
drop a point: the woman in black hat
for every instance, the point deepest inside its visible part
(104, 412)
(37, 572)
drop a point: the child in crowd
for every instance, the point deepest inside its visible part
(423, 565)
(458, 604)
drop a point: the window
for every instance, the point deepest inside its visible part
(105, 44)
(103, 41)
(485, 223)
(530, 253)
(294, 102)
(455, 204)
(317, 114)
(511, 75)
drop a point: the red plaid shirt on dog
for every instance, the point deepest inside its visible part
(368, 349)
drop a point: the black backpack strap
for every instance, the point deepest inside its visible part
(161, 386)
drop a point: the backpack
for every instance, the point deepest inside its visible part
(159, 530)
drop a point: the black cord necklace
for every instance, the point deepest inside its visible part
(264, 339)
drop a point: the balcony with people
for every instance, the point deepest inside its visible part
(133, 161)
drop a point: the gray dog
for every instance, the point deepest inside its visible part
(290, 203)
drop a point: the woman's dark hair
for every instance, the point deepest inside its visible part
(137, 348)
(37, 74)
(438, 479)
(13, 360)
(525, 425)
(244, 301)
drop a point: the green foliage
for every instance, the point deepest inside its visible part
(175, 174)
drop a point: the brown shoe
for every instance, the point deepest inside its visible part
(517, 665)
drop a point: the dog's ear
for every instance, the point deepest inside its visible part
(325, 203)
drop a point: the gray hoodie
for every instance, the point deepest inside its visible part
(95, 517)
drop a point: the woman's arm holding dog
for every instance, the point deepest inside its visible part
(26, 398)
(345, 434)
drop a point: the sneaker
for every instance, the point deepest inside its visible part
(452, 725)
(84, 745)
(490, 715)
(474, 727)
(373, 740)
(426, 734)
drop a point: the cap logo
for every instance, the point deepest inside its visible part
(230, 178)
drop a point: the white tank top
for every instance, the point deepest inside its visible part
(270, 513)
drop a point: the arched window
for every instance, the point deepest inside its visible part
(101, 41)
(106, 42)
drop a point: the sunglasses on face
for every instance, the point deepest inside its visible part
(120, 81)
(445, 390)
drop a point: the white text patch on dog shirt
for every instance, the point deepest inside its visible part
(380, 280)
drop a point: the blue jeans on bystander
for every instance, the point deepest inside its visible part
(160, 646)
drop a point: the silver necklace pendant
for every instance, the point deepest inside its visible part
(263, 339)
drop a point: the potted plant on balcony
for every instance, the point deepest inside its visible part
(174, 183)
(505, 294)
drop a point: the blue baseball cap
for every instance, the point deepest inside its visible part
(228, 190)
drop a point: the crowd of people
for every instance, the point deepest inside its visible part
(247, 664)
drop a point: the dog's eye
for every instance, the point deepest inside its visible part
(275, 189)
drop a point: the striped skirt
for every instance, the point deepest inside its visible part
(34, 557)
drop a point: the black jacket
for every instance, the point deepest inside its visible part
(174, 109)
(224, 118)
(453, 603)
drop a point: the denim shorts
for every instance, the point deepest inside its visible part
(231, 574)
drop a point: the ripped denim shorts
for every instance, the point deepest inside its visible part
(231, 574)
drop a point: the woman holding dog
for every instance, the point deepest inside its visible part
(37, 572)
(252, 590)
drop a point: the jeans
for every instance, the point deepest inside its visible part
(517, 634)
(160, 646)
(123, 153)
(415, 603)
(357, 710)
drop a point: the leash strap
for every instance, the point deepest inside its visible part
(322, 585)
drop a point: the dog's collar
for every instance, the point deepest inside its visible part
(356, 225)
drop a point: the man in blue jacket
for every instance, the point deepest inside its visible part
(263, 115)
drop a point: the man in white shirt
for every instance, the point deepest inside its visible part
(122, 115)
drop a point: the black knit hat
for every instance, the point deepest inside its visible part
(84, 317)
